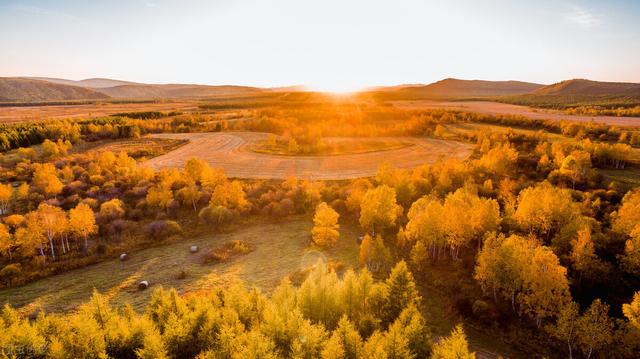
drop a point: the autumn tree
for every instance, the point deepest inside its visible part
(632, 310)
(565, 327)
(6, 242)
(378, 209)
(6, 193)
(45, 180)
(325, 226)
(196, 169)
(583, 254)
(230, 195)
(31, 236)
(51, 219)
(544, 209)
(499, 160)
(453, 346)
(112, 209)
(401, 290)
(627, 221)
(82, 223)
(373, 253)
(545, 285)
(160, 197)
(595, 328)
(189, 195)
(576, 166)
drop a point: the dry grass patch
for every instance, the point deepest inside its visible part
(279, 249)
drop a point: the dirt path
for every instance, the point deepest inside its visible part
(229, 151)
(495, 108)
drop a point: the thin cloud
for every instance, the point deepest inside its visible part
(583, 17)
(37, 10)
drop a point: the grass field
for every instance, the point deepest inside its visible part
(230, 151)
(334, 146)
(162, 265)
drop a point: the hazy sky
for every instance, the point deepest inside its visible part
(329, 44)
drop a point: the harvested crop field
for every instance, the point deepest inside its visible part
(231, 151)
(495, 108)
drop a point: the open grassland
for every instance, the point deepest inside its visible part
(334, 146)
(231, 152)
(495, 108)
(16, 114)
(162, 266)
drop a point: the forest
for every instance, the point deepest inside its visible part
(540, 248)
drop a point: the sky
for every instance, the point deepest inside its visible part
(327, 44)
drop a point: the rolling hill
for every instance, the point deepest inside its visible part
(581, 87)
(580, 92)
(15, 89)
(175, 91)
(93, 83)
(456, 88)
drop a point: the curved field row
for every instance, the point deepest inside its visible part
(230, 151)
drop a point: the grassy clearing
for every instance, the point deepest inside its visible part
(628, 176)
(333, 147)
(162, 266)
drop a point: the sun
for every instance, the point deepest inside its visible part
(337, 87)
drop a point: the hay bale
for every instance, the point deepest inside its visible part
(124, 257)
(193, 249)
(143, 285)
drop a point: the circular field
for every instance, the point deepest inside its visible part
(231, 152)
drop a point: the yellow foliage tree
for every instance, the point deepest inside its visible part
(82, 222)
(325, 226)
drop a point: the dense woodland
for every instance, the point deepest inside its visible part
(543, 250)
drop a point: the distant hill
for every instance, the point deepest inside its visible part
(455, 88)
(175, 91)
(581, 87)
(15, 89)
(94, 83)
(579, 92)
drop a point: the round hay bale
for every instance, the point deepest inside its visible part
(124, 257)
(143, 285)
(193, 249)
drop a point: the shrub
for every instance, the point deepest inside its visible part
(227, 251)
(10, 272)
(218, 215)
(163, 228)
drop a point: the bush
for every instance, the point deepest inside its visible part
(10, 272)
(218, 215)
(163, 228)
(227, 251)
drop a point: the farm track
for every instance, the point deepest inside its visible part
(230, 151)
